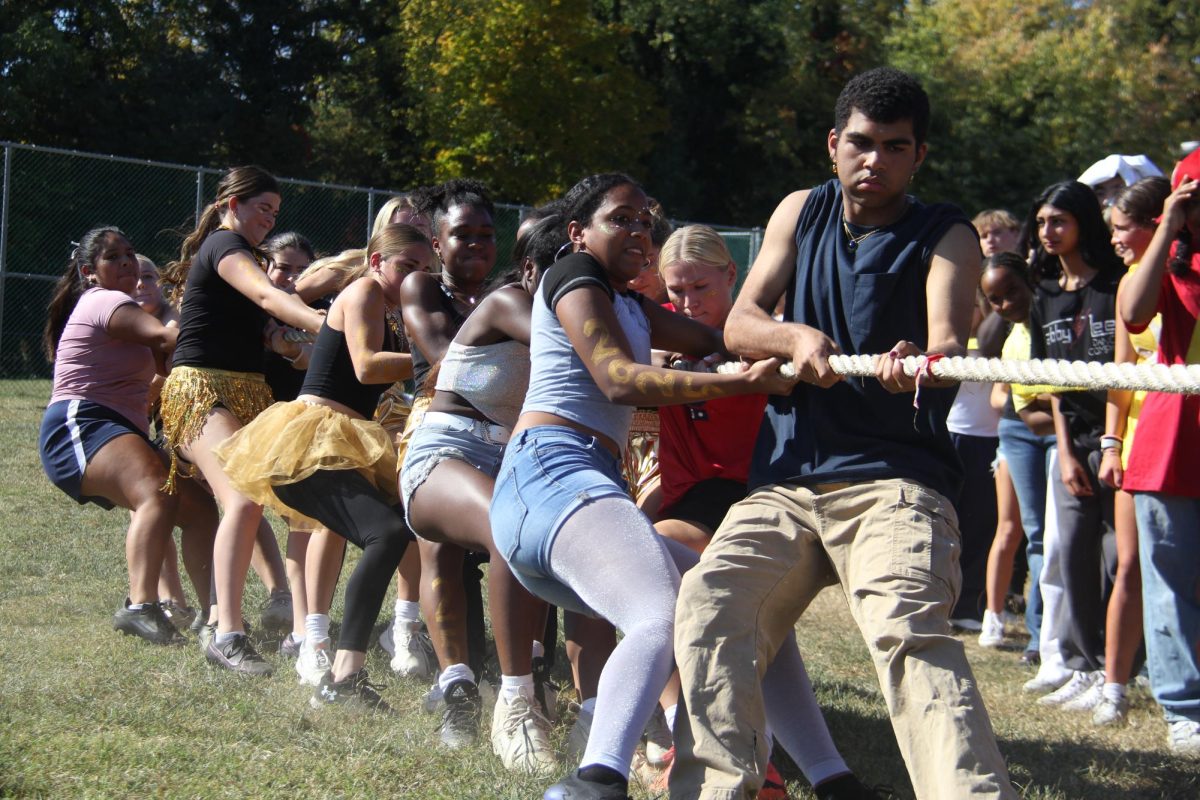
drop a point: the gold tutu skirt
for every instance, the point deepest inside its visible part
(415, 415)
(190, 393)
(393, 410)
(290, 441)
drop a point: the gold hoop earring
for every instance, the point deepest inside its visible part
(833, 166)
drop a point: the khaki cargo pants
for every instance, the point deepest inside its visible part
(893, 545)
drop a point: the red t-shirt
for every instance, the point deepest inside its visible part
(1166, 450)
(712, 439)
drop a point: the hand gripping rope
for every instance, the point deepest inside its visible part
(1175, 378)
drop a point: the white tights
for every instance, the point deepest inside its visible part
(609, 554)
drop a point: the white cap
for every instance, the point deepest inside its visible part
(1130, 169)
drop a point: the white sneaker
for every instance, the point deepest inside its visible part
(1080, 682)
(1184, 737)
(314, 660)
(658, 739)
(1088, 700)
(410, 648)
(521, 734)
(577, 739)
(1110, 712)
(1047, 681)
(992, 634)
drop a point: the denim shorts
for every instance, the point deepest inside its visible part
(443, 436)
(72, 432)
(549, 472)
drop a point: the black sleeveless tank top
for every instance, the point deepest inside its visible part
(331, 372)
(421, 365)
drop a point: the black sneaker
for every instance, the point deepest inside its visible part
(354, 692)
(849, 787)
(460, 720)
(149, 623)
(237, 655)
(574, 787)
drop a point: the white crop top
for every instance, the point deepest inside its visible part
(491, 377)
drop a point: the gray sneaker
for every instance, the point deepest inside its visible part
(148, 622)
(353, 692)
(237, 655)
(277, 613)
(460, 720)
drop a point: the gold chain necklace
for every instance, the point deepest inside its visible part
(854, 241)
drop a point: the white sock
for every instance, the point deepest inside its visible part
(316, 627)
(455, 672)
(669, 713)
(511, 685)
(1114, 692)
(589, 706)
(297, 638)
(539, 650)
(408, 611)
(226, 638)
(137, 606)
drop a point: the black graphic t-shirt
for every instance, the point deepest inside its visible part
(1077, 325)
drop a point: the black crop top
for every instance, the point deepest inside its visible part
(331, 372)
(219, 327)
(421, 365)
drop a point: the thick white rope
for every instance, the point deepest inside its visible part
(1176, 378)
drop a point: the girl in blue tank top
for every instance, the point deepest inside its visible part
(561, 516)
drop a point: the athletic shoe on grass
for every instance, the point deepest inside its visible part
(521, 734)
(460, 720)
(148, 622)
(237, 655)
(354, 692)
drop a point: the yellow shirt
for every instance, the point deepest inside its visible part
(1016, 348)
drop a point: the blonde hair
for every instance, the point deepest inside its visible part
(393, 238)
(350, 265)
(695, 244)
(995, 218)
(398, 203)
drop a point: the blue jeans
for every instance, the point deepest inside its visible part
(548, 473)
(1028, 457)
(1169, 549)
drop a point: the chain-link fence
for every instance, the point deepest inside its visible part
(50, 197)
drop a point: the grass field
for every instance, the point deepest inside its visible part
(85, 712)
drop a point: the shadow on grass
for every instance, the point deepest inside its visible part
(1038, 769)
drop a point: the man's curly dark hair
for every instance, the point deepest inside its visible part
(885, 94)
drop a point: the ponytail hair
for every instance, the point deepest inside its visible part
(73, 284)
(240, 182)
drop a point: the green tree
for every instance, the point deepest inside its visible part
(169, 79)
(526, 95)
(1027, 93)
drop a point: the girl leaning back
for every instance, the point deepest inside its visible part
(216, 383)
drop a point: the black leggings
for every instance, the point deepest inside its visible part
(346, 502)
